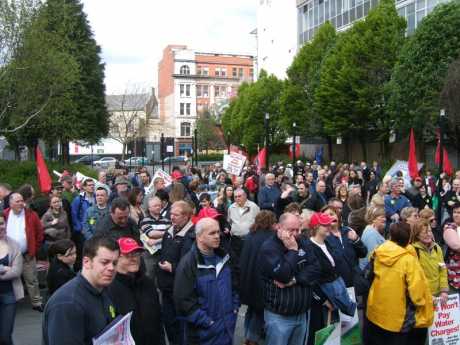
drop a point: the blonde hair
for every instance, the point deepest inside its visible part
(373, 213)
(418, 228)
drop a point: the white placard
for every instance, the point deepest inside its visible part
(233, 163)
(446, 324)
(402, 166)
(165, 176)
(117, 332)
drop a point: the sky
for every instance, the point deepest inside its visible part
(133, 34)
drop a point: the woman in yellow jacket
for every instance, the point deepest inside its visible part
(400, 300)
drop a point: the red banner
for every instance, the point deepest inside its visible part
(43, 175)
(412, 161)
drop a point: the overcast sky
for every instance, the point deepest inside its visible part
(133, 33)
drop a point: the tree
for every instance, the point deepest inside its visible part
(351, 98)
(450, 101)
(244, 117)
(420, 74)
(207, 132)
(128, 120)
(303, 80)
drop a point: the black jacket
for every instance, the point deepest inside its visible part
(58, 274)
(76, 313)
(173, 247)
(138, 293)
(280, 264)
(108, 227)
(327, 272)
(251, 285)
(316, 202)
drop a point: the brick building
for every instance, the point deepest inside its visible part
(191, 83)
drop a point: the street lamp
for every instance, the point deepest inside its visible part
(162, 151)
(196, 147)
(442, 117)
(293, 150)
(267, 143)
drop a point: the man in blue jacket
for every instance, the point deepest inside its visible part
(204, 291)
(268, 194)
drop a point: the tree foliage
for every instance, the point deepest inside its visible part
(208, 133)
(420, 74)
(351, 97)
(243, 120)
(297, 98)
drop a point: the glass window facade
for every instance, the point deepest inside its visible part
(342, 13)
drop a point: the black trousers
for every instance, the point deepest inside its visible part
(380, 336)
(172, 324)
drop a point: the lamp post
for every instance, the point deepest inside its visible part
(267, 140)
(293, 149)
(442, 117)
(196, 146)
(162, 151)
(228, 142)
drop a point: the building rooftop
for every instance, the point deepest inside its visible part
(127, 102)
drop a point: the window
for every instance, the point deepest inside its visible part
(185, 70)
(198, 70)
(205, 71)
(234, 75)
(220, 72)
(202, 90)
(184, 90)
(187, 90)
(219, 91)
(182, 109)
(251, 73)
(187, 108)
(185, 129)
(240, 73)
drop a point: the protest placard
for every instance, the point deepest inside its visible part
(402, 166)
(234, 163)
(446, 324)
(351, 332)
(118, 332)
(164, 175)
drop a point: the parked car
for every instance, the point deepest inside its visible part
(105, 162)
(87, 159)
(136, 161)
(175, 160)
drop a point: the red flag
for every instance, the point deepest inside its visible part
(260, 159)
(412, 161)
(297, 151)
(43, 175)
(446, 164)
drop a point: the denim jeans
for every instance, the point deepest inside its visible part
(286, 330)
(7, 316)
(253, 325)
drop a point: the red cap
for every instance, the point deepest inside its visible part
(176, 175)
(128, 245)
(319, 218)
(418, 178)
(206, 212)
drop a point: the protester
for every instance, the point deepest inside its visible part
(69, 193)
(133, 291)
(204, 292)
(62, 256)
(268, 194)
(11, 289)
(373, 233)
(121, 188)
(153, 226)
(5, 191)
(398, 276)
(55, 222)
(251, 287)
(409, 215)
(452, 240)
(95, 213)
(318, 199)
(176, 242)
(24, 227)
(395, 202)
(288, 273)
(135, 198)
(163, 195)
(81, 309)
(118, 223)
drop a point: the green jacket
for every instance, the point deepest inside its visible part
(432, 262)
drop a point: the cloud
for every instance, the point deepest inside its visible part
(133, 33)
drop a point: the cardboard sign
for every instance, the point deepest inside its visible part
(118, 332)
(446, 325)
(402, 166)
(165, 176)
(234, 163)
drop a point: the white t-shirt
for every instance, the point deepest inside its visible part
(325, 251)
(16, 229)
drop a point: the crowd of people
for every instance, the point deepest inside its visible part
(289, 243)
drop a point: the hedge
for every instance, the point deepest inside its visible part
(17, 173)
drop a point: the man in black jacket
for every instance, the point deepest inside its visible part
(81, 309)
(318, 199)
(176, 242)
(133, 291)
(288, 274)
(118, 223)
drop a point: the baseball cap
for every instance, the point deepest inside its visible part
(176, 175)
(121, 180)
(206, 212)
(128, 245)
(319, 218)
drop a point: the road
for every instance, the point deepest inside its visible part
(27, 329)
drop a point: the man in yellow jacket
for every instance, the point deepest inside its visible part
(399, 305)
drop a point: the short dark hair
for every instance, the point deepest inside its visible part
(162, 195)
(132, 198)
(92, 245)
(205, 196)
(60, 247)
(120, 203)
(400, 233)
(27, 191)
(102, 188)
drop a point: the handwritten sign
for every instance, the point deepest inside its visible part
(446, 324)
(234, 163)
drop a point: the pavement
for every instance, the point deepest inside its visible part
(27, 330)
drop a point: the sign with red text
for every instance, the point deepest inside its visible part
(446, 324)
(233, 163)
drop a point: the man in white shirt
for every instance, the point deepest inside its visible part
(24, 226)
